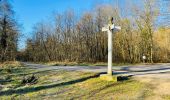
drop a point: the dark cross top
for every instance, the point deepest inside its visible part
(111, 20)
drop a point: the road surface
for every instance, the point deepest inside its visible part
(135, 70)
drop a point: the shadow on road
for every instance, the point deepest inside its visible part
(147, 70)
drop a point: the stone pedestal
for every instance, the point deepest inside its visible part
(107, 77)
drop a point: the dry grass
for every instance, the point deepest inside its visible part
(61, 84)
(68, 85)
(160, 84)
(54, 63)
(67, 63)
(10, 64)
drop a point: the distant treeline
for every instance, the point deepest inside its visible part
(70, 38)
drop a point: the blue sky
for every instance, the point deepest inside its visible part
(29, 12)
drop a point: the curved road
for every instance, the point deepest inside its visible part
(136, 70)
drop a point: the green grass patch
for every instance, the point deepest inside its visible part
(166, 97)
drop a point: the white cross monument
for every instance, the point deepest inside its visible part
(110, 28)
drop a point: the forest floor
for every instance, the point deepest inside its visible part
(57, 84)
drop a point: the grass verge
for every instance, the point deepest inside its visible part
(61, 84)
(10, 64)
(83, 64)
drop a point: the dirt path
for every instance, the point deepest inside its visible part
(159, 84)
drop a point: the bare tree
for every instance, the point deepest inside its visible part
(8, 32)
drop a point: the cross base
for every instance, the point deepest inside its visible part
(108, 77)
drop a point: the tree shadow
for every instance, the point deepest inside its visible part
(38, 88)
(124, 78)
(3, 81)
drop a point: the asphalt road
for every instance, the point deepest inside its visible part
(135, 70)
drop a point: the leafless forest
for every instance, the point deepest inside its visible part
(9, 32)
(78, 38)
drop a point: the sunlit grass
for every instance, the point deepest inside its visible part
(61, 84)
(10, 64)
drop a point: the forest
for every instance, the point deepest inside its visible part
(72, 38)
